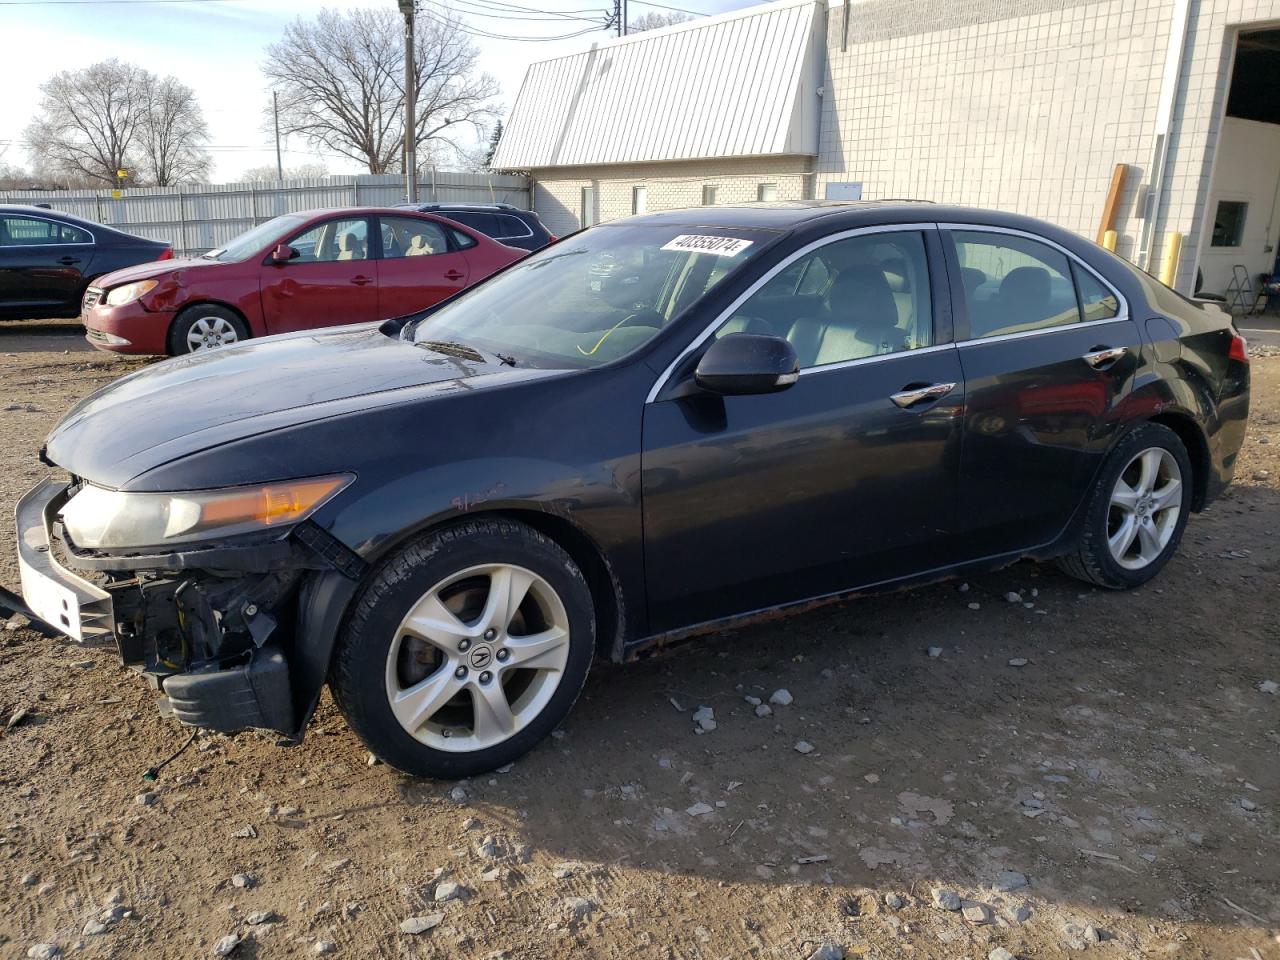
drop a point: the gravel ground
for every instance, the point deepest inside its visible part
(1117, 793)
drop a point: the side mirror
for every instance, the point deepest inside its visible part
(747, 363)
(283, 253)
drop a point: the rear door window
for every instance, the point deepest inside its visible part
(35, 231)
(1013, 284)
(411, 237)
(510, 228)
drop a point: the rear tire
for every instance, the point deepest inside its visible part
(1136, 513)
(205, 326)
(465, 649)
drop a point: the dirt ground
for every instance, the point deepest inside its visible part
(1119, 794)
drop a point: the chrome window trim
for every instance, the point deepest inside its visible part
(1123, 304)
(1023, 334)
(876, 358)
(27, 246)
(513, 236)
(777, 268)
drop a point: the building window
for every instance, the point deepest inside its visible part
(709, 194)
(1228, 223)
(588, 212)
(766, 192)
(639, 199)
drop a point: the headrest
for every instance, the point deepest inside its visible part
(862, 295)
(1026, 284)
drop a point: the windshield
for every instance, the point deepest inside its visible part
(251, 241)
(595, 296)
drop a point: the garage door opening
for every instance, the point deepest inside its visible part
(1242, 240)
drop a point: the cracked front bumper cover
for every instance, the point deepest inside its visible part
(68, 603)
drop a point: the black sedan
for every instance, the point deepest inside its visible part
(657, 427)
(48, 258)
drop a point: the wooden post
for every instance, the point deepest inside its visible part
(1113, 200)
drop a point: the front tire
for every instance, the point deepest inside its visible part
(465, 649)
(1136, 514)
(205, 326)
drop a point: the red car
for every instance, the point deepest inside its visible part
(302, 270)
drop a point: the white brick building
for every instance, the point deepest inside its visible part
(1023, 105)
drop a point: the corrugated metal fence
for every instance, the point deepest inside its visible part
(199, 218)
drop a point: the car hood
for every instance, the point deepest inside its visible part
(146, 271)
(192, 403)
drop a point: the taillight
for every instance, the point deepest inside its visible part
(553, 239)
(1239, 349)
(167, 255)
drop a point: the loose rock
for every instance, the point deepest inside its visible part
(1000, 953)
(227, 945)
(803, 746)
(782, 697)
(699, 809)
(450, 891)
(1013, 597)
(1269, 686)
(259, 917)
(323, 947)
(579, 908)
(935, 652)
(893, 901)
(1247, 804)
(243, 881)
(1009, 880)
(44, 951)
(417, 925)
(704, 719)
(146, 799)
(974, 912)
(946, 899)
(828, 951)
(764, 710)
(1018, 662)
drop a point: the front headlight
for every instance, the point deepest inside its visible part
(98, 519)
(130, 292)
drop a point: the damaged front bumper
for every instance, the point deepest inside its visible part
(217, 628)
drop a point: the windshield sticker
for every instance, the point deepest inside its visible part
(720, 246)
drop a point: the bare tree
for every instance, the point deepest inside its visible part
(88, 121)
(656, 21)
(341, 83)
(117, 116)
(173, 131)
(306, 171)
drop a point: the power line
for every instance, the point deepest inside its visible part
(660, 6)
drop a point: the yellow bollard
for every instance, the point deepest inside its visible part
(1109, 240)
(1170, 269)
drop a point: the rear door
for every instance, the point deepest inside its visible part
(42, 266)
(1049, 353)
(846, 478)
(332, 281)
(420, 265)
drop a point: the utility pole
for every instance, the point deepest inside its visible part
(408, 8)
(619, 16)
(275, 110)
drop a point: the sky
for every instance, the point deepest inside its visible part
(216, 47)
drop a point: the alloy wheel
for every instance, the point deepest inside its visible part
(477, 658)
(209, 332)
(1144, 510)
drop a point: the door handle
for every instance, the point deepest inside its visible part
(361, 280)
(454, 275)
(914, 396)
(1102, 357)
(68, 261)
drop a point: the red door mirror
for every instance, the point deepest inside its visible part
(283, 253)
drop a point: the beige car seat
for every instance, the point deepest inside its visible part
(350, 248)
(419, 247)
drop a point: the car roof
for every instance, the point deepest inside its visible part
(789, 215)
(49, 213)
